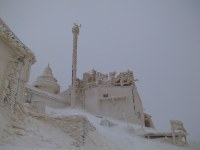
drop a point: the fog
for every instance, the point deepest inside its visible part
(158, 39)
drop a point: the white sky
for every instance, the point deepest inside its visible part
(158, 39)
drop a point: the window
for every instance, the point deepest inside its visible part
(105, 95)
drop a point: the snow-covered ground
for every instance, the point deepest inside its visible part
(40, 135)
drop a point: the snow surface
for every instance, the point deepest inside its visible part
(40, 135)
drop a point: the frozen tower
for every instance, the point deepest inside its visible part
(75, 31)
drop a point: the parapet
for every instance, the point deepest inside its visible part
(94, 78)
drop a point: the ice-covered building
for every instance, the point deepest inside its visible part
(15, 62)
(112, 95)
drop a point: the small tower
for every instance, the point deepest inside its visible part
(75, 31)
(47, 82)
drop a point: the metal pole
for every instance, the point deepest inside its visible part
(75, 31)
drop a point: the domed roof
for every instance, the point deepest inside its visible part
(47, 82)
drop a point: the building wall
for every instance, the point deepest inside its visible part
(6, 56)
(91, 101)
(12, 79)
(33, 96)
(66, 95)
(139, 111)
(118, 104)
(115, 102)
(14, 73)
(15, 62)
(24, 72)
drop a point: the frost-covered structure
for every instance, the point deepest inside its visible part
(47, 82)
(111, 95)
(15, 62)
(106, 95)
(44, 92)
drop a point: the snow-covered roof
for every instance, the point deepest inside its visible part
(10, 38)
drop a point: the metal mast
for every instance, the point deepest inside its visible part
(75, 31)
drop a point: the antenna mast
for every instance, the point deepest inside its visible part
(75, 31)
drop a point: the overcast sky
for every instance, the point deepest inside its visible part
(158, 39)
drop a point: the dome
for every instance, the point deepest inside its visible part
(47, 82)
